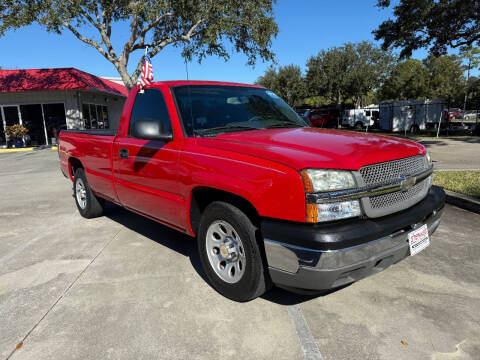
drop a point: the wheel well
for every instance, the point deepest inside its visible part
(202, 197)
(74, 164)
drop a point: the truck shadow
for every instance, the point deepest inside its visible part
(186, 246)
(156, 232)
(283, 297)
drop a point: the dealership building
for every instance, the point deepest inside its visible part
(46, 101)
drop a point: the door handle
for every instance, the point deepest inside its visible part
(123, 153)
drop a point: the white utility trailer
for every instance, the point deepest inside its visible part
(411, 115)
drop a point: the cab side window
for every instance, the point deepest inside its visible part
(150, 105)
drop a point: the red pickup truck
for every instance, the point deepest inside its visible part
(269, 199)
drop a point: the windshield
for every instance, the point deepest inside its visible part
(207, 110)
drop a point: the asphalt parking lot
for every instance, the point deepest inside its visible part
(454, 153)
(124, 287)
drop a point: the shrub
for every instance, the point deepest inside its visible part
(15, 131)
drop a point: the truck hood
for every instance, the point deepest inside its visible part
(301, 148)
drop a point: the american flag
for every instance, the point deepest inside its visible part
(146, 77)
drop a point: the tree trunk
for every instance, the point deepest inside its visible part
(126, 78)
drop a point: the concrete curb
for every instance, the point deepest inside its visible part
(12, 150)
(15, 150)
(463, 201)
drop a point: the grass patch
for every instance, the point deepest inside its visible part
(465, 182)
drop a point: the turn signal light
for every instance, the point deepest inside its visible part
(312, 213)
(307, 182)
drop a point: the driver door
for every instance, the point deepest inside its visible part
(146, 171)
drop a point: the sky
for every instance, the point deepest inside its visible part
(305, 28)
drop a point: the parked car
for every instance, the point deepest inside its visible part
(268, 199)
(323, 118)
(301, 111)
(470, 115)
(455, 113)
(360, 118)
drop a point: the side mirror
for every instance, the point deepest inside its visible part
(151, 129)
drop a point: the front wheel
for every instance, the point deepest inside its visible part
(230, 253)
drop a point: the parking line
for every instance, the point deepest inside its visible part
(307, 341)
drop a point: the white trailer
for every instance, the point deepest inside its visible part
(411, 115)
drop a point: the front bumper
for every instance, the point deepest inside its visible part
(326, 256)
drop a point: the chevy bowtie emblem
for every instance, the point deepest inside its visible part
(407, 182)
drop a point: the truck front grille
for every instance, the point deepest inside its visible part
(398, 197)
(391, 170)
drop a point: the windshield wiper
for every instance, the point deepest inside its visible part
(284, 124)
(218, 129)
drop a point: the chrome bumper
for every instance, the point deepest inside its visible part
(289, 258)
(323, 264)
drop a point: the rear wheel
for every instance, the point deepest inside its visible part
(230, 253)
(359, 126)
(88, 205)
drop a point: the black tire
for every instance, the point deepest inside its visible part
(358, 126)
(93, 206)
(255, 280)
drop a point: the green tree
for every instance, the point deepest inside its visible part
(445, 73)
(327, 74)
(371, 66)
(473, 91)
(409, 80)
(351, 71)
(287, 82)
(199, 27)
(471, 55)
(438, 24)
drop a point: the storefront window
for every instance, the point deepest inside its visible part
(86, 116)
(106, 123)
(95, 116)
(40, 119)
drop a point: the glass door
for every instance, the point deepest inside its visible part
(10, 116)
(3, 139)
(55, 121)
(32, 119)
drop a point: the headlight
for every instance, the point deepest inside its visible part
(333, 211)
(317, 180)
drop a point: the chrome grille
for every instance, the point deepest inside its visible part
(397, 197)
(390, 170)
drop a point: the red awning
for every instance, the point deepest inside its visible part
(56, 79)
